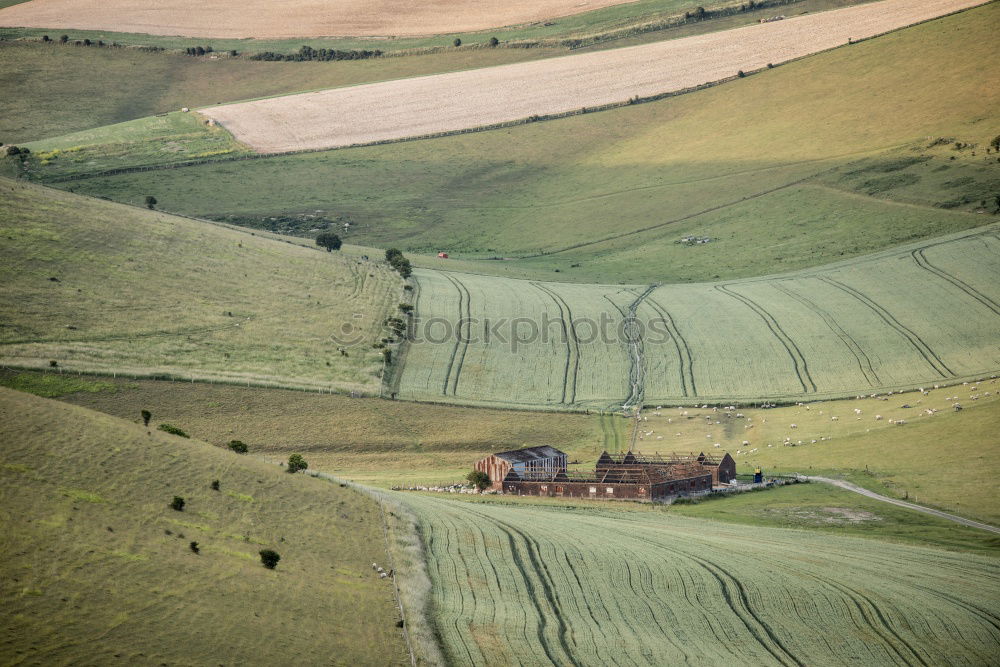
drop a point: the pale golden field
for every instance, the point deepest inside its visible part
(265, 19)
(461, 100)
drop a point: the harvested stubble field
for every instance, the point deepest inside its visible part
(263, 19)
(919, 314)
(462, 100)
(542, 585)
(96, 567)
(103, 287)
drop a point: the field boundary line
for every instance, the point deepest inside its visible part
(636, 352)
(902, 503)
(798, 359)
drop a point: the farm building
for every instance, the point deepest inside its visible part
(544, 459)
(722, 469)
(640, 483)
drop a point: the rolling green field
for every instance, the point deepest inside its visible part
(606, 197)
(96, 286)
(541, 585)
(916, 314)
(97, 567)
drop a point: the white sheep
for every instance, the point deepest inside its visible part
(878, 418)
(794, 425)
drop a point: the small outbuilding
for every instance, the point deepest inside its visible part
(527, 461)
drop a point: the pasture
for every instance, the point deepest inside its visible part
(543, 585)
(97, 567)
(386, 443)
(96, 286)
(919, 314)
(492, 96)
(761, 183)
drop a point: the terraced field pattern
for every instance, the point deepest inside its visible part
(532, 585)
(924, 313)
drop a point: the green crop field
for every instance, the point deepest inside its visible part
(917, 314)
(97, 568)
(96, 286)
(540, 585)
(606, 197)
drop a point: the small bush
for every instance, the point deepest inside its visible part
(329, 241)
(146, 416)
(53, 363)
(215, 485)
(479, 479)
(457, 42)
(269, 558)
(149, 201)
(172, 430)
(63, 39)
(194, 547)
(494, 41)
(177, 504)
(296, 463)
(238, 446)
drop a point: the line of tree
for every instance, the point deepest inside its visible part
(396, 260)
(309, 53)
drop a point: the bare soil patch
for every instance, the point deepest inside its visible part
(463, 100)
(266, 19)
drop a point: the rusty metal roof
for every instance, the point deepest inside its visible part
(530, 454)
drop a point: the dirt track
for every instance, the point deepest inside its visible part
(902, 503)
(279, 19)
(448, 102)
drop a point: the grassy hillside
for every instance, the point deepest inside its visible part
(917, 314)
(387, 443)
(643, 177)
(600, 585)
(97, 567)
(99, 286)
(367, 440)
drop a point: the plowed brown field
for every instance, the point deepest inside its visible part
(270, 19)
(460, 100)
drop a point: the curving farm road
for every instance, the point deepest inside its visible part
(444, 103)
(902, 503)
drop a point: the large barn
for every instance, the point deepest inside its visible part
(613, 483)
(530, 460)
(722, 469)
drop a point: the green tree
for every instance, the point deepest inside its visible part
(494, 41)
(329, 241)
(995, 143)
(146, 416)
(269, 557)
(177, 504)
(150, 201)
(457, 42)
(479, 479)
(296, 463)
(238, 446)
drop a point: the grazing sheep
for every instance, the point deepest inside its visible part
(382, 575)
(794, 425)
(878, 418)
(374, 566)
